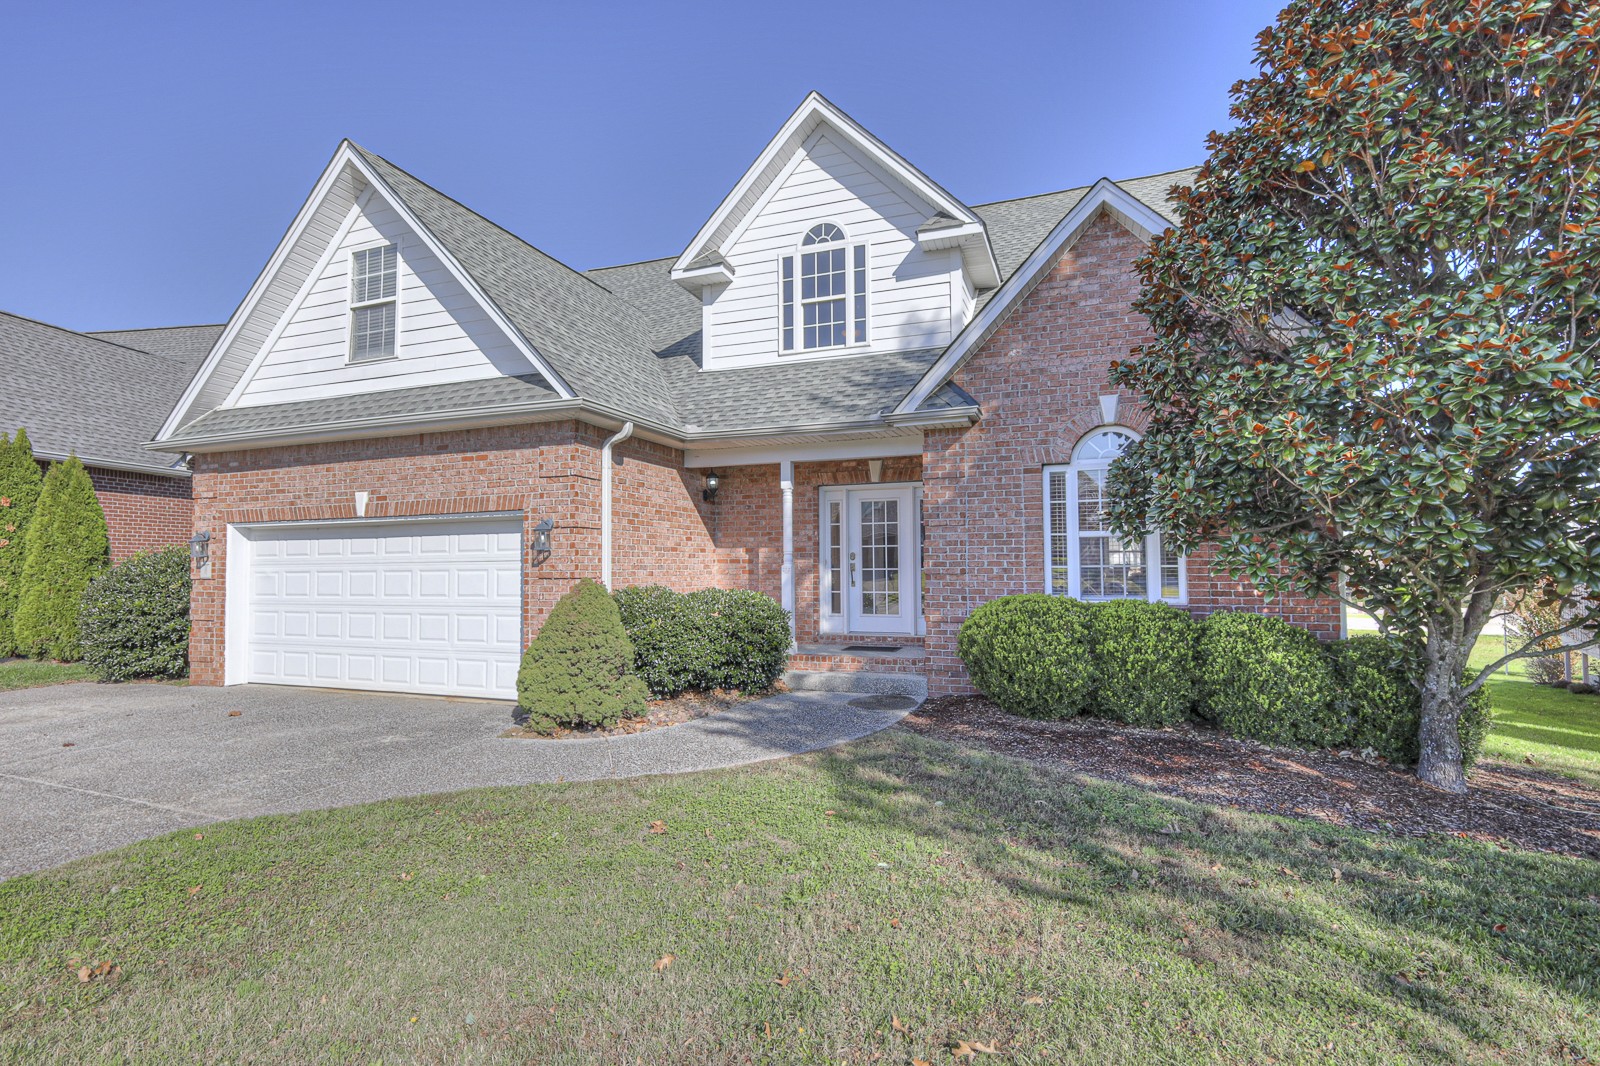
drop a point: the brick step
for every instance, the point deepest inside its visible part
(863, 681)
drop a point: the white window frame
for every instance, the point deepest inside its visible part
(358, 305)
(1152, 542)
(857, 296)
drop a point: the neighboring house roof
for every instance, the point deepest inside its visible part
(625, 341)
(96, 395)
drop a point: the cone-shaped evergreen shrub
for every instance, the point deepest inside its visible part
(20, 482)
(67, 549)
(579, 669)
(135, 619)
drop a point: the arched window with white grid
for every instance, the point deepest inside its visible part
(824, 293)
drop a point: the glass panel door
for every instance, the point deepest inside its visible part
(880, 570)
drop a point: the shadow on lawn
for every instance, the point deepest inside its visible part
(1437, 925)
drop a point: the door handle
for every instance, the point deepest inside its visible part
(852, 569)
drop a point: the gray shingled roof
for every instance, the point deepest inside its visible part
(76, 393)
(629, 336)
(593, 340)
(438, 401)
(190, 344)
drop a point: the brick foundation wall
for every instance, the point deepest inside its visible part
(549, 470)
(143, 511)
(1039, 379)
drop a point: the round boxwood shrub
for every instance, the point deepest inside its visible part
(1031, 654)
(579, 669)
(1265, 679)
(705, 640)
(1383, 705)
(134, 620)
(1146, 659)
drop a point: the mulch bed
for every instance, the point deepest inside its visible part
(661, 713)
(1507, 804)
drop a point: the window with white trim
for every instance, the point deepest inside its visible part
(374, 289)
(824, 292)
(1083, 557)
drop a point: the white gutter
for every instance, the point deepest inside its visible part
(605, 500)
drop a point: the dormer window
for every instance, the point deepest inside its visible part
(828, 307)
(374, 284)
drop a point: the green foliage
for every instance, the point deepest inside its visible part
(67, 548)
(704, 640)
(1266, 679)
(1031, 654)
(20, 483)
(135, 617)
(579, 669)
(1377, 678)
(1375, 323)
(1146, 662)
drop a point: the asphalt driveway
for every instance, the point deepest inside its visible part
(88, 767)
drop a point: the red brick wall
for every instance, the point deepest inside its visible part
(661, 529)
(1039, 379)
(549, 470)
(143, 511)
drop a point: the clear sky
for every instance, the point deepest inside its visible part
(152, 154)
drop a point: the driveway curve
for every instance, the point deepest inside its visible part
(88, 767)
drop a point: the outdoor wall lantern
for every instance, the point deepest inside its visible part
(200, 547)
(713, 483)
(541, 536)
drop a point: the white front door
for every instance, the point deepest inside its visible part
(870, 560)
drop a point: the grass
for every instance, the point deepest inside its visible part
(804, 906)
(26, 673)
(1560, 730)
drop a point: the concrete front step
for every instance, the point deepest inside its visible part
(870, 681)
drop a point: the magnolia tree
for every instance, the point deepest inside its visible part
(1374, 362)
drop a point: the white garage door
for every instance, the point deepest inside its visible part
(411, 606)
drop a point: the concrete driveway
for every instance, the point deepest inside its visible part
(87, 767)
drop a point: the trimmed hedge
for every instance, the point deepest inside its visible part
(20, 484)
(579, 669)
(1384, 706)
(67, 548)
(1146, 661)
(135, 617)
(1031, 654)
(704, 640)
(1263, 678)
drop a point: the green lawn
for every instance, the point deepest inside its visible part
(1559, 729)
(25, 673)
(804, 905)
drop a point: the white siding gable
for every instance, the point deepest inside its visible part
(916, 297)
(443, 333)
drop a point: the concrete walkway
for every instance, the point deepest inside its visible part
(84, 768)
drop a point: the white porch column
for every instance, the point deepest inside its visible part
(786, 482)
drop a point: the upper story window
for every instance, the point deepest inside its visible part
(374, 286)
(1083, 558)
(825, 292)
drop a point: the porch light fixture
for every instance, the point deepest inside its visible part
(541, 536)
(713, 483)
(200, 547)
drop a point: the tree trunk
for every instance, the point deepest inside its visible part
(1439, 757)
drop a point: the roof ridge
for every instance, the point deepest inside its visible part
(509, 233)
(148, 329)
(79, 333)
(1076, 188)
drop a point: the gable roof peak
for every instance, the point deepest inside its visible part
(816, 112)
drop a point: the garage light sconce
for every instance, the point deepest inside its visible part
(713, 483)
(541, 537)
(200, 552)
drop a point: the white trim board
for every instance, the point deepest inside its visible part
(886, 448)
(1141, 220)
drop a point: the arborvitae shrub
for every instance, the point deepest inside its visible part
(20, 483)
(579, 669)
(67, 549)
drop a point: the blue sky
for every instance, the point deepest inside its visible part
(155, 152)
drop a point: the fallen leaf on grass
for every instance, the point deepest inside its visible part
(1034, 1001)
(897, 1025)
(405, 877)
(894, 923)
(663, 962)
(84, 974)
(199, 836)
(658, 827)
(193, 889)
(962, 1049)
(783, 982)
(920, 1062)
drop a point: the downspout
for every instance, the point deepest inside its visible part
(605, 500)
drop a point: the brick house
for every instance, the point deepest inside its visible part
(851, 391)
(102, 396)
